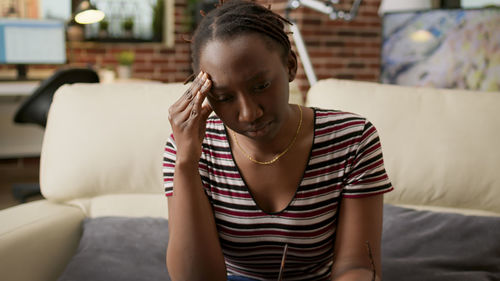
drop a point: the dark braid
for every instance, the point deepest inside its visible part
(237, 17)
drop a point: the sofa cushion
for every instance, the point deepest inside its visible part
(37, 239)
(440, 146)
(425, 245)
(106, 138)
(416, 245)
(125, 205)
(120, 248)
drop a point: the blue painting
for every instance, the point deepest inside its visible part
(442, 49)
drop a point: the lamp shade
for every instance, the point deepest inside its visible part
(86, 13)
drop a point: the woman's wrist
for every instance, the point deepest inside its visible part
(357, 274)
(186, 164)
(188, 161)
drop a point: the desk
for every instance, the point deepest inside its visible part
(17, 140)
(18, 88)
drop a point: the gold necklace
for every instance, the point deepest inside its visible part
(277, 156)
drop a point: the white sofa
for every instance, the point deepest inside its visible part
(102, 155)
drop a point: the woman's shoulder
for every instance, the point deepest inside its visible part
(214, 122)
(215, 130)
(323, 115)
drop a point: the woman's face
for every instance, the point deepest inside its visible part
(250, 87)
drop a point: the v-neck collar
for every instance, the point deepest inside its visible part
(242, 179)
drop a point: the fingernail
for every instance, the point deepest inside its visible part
(200, 74)
(205, 75)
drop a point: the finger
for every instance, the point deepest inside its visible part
(178, 117)
(206, 109)
(190, 109)
(180, 106)
(190, 93)
(195, 86)
(196, 108)
(202, 94)
(206, 86)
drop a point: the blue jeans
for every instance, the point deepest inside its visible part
(239, 278)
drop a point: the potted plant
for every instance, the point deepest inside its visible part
(158, 18)
(128, 26)
(125, 61)
(103, 28)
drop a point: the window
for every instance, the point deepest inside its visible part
(128, 20)
(125, 21)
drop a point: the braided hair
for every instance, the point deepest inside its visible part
(238, 17)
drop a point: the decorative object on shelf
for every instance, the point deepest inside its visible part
(86, 13)
(158, 19)
(74, 31)
(103, 28)
(106, 75)
(128, 27)
(125, 61)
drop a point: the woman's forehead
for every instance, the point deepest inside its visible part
(247, 53)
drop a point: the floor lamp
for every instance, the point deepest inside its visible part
(325, 7)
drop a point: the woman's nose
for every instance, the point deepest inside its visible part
(249, 110)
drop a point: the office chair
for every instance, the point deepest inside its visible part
(35, 109)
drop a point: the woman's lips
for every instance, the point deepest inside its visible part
(258, 130)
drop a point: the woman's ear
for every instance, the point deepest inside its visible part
(292, 66)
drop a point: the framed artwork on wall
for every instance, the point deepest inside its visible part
(457, 48)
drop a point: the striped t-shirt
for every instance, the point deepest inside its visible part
(345, 160)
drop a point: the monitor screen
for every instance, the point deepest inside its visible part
(25, 41)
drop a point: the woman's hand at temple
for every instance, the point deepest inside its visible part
(193, 251)
(188, 118)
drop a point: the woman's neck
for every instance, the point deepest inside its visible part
(268, 148)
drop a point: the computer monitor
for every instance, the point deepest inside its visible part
(25, 42)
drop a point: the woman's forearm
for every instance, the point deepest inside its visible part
(194, 251)
(357, 274)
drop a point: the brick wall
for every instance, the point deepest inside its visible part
(340, 49)
(152, 60)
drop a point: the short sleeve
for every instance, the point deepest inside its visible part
(169, 156)
(366, 174)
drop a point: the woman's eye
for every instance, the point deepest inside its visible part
(220, 97)
(261, 87)
(223, 98)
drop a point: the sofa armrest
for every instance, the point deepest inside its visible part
(38, 239)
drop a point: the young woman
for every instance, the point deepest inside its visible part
(263, 173)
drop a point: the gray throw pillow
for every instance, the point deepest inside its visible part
(425, 245)
(120, 248)
(416, 246)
